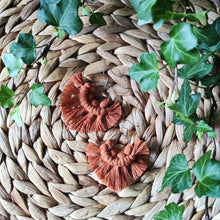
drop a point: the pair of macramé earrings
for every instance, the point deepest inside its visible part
(83, 112)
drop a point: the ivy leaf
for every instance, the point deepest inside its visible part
(143, 9)
(197, 16)
(203, 48)
(195, 72)
(188, 122)
(203, 127)
(211, 80)
(207, 172)
(146, 72)
(97, 18)
(62, 14)
(207, 93)
(16, 116)
(6, 97)
(12, 63)
(37, 96)
(190, 129)
(172, 15)
(187, 103)
(215, 48)
(208, 34)
(171, 212)
(59, 33)
(24, 48)
(180, 47)
(85, 11)
(178, 175)
(217, 26)
(159, 12)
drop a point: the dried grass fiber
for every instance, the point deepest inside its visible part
(44, 172)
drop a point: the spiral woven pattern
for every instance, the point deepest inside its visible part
(44, 171)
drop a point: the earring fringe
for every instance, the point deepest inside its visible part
(117, 170)
(82, 112)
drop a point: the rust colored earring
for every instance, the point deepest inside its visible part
(118, 169)
(82, 111)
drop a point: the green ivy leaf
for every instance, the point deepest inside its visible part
(171, 212)
(215, 48)
(97, 18)
(180, 47)
(172, 15)
(195, 72)
(37, 96)
(207, 93)
(203, 48)
(16, 116)
(159, 12)
(188, 122)
(217, 26)
(178, 175)
(187, 103)
(208, 34)
(203, 127)
(6, 97)
(143, 9)
(207, 172)
(188, 132)
(197, 16)
(59, 33)
(24, 48)
(85, 11)
(146, 72)
(62, 14)
(211, 80)
(12, 63)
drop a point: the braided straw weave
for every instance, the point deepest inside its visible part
(44, 171)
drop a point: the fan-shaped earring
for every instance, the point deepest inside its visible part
(118, 169)
(82, 111)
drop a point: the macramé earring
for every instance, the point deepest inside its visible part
(117, 170)
(82, 111)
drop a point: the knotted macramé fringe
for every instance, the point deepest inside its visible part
(82, 112)
(117, 170)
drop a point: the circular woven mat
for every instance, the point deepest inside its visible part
(44, 172)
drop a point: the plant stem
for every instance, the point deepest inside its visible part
(192, 7)
(202, 87)
(37, 73)
(163, 67)
(29, 68)
(206, 208)
(175, 81)
(43, 56)
(47, 48)
(214, 106)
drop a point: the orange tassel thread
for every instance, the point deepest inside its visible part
(82, 112)
(117, 170)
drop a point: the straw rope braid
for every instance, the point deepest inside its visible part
(44, 172)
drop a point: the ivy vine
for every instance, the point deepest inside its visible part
(196, 48)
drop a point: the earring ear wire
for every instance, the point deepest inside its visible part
(106, 85)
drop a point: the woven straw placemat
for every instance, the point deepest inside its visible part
(44, 172)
